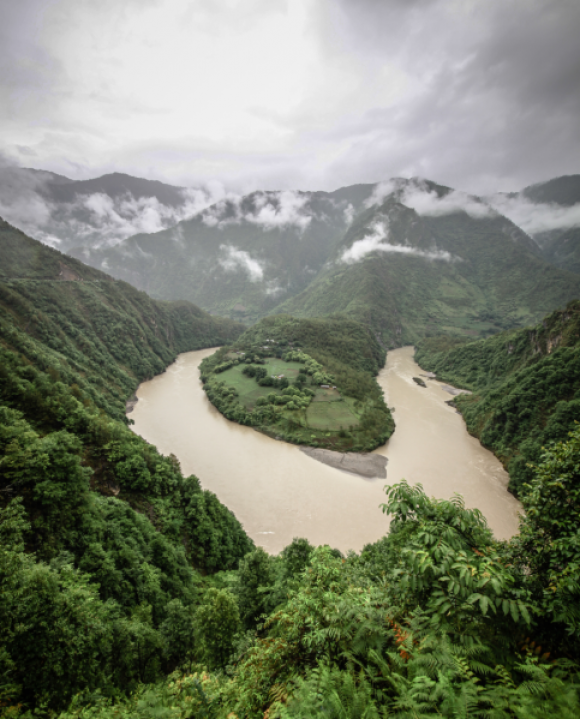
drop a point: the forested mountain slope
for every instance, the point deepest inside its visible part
(118, 535)
(409, 258)
(110, 334)
(424, 262)
(525, 383)
(240, 257)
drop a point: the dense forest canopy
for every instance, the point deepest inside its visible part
(110, 539)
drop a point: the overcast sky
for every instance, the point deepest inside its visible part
(482, 95)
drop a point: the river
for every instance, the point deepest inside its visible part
(278, 492)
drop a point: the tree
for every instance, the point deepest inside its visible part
(254, 580)
(217, 622)
(547, 549)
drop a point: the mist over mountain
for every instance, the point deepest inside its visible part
(242, 255)
(550, 213)
(105, 210)
(407, 257)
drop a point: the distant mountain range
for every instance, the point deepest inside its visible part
(64, 213)
(550, 213)
(410, 258)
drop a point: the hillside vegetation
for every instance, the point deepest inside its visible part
(128, 591)
(525, 384)
(451, 273)
(305, 381)
(115, 536)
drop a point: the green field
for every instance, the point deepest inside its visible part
(327, 411)
(330, 415)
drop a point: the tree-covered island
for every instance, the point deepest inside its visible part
(304, 381)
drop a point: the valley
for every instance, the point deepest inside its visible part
(159, 556)
(256, 476)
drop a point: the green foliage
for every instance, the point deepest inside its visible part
(101, 535)
(547, 550)
(218, 622)
(254, 578)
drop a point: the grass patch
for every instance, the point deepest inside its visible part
(330, 415)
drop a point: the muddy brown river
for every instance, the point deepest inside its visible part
(278, 492)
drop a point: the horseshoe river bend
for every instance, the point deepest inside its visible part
(278, 492)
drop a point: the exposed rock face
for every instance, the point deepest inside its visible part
(130, 404)
(453, 390)
(367, 465)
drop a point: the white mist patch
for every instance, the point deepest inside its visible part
(535, 218)
(415, 193)
(274, 288)
(287, 209)
(235, 259)
(119, 218)
(381, 191)
(349, 214)
(97, 218)
(426, 202)
(268, 210)
(375, 242)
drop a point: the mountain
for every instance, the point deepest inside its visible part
(110, 335)
(241, 256)
(426, 260)
(65, 213)
(563, 191)
(407, 257)
(550, 213)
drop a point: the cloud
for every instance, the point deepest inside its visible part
(426, 202)
(453, 90)
(381, 191)
(349, 213)
(235, 259)
(417, 195)
(281, 210)
(375, 242)
(268, 210)
(97, 218)
(533, 217)
(274, 288)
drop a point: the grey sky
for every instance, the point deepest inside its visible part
(482, 95)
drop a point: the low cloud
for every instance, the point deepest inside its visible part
(535, 218)
(96, 219)
(428, 203)
(377, 241)
(349, 213)
(274, 288)
(235, 259)
(381, 191)
(416, 194)
(268, 210)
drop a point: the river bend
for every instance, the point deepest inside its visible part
(278, 492)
